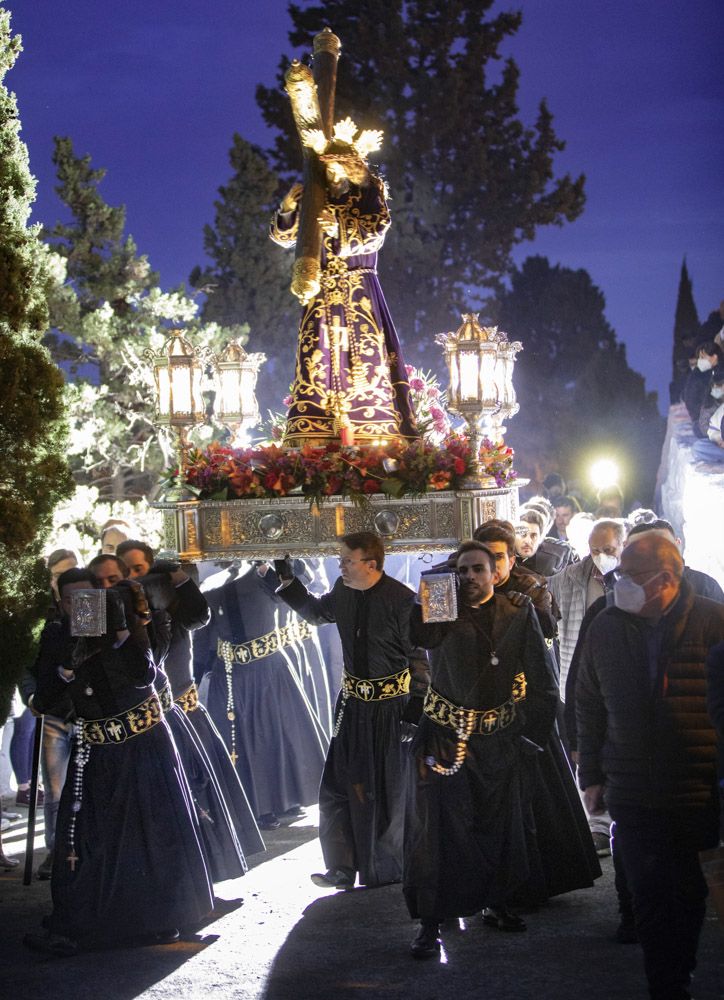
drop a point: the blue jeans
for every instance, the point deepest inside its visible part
(706, 451)
(56, 751)
(659, 850)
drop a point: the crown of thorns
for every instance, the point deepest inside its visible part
(347, 142)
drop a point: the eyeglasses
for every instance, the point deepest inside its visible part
(348, 562)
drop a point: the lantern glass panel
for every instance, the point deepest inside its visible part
(468, 361)
(490, 377)
(181, 389)
(164, 390)
(230, 402)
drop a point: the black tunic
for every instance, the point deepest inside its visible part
(140, 868)
(471, 841)
(367, 774)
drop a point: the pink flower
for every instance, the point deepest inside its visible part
(287, 401)
(417, 385)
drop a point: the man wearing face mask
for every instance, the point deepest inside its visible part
(708, 357)
(647, 749)
(710, 446)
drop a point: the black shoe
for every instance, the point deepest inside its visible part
(427, 941)
(295, 812)
(169, 936)
(51, 944)
(334, 879)
(269, 821)
(504, 920)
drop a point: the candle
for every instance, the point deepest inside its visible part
(346, 436)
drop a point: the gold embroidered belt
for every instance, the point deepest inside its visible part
(166, 698)
(483, 721)
(265, 645)
(189, 700)
(376, 688)
(118, 728)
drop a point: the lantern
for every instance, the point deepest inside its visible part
(480, 362)
(178, 372)
(236, 371)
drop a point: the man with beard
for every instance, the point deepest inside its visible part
(364, 789)
(470, 843)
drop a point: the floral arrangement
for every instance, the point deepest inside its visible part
(429, 402)
(398, 468)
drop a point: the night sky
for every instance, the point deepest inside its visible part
(153, 91)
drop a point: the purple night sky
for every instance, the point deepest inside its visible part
(154, 91)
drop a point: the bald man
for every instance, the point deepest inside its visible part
(647, 748)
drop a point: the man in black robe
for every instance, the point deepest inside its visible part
(366, 779)
(470, 844)
(127, 862)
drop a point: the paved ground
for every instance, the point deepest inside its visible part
(292, 941)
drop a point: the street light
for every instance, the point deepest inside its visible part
(480, 362)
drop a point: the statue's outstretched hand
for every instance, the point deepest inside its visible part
(292, 198)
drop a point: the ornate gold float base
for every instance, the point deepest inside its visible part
(197, 530)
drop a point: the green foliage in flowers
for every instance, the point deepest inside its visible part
(34, 475)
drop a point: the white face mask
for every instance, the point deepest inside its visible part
(703, 364)
(718, 391)
(604, 563)
(629, 595)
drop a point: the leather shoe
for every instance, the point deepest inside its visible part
(23, 797)
(504, 920)
(427, 941)
(334, 879)
(268, 821)
(602, 844)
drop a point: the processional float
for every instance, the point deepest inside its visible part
(340, 468)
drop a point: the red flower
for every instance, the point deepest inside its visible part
(370, 486)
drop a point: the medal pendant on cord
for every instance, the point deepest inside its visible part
(494, 661)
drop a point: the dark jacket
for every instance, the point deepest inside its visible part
(696, 390)
(650, 742)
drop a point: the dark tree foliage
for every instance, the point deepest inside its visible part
(34, 476)
(468, 179)
(686, 333)
(248, 281)
(579, 398)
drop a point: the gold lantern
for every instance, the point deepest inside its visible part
(178, 372)
(480, 362)
(236, 404)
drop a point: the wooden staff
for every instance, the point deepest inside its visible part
(312, 99)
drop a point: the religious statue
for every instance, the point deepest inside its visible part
(350, 382)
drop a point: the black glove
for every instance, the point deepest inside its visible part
(164, 566)
(413, 709)
(119, 608)
(159, 590)
(284, 568)
(132, 589)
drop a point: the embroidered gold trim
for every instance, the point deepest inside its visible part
(189, 700)
(116, 729)
(265, 645)
(376, 688)
(483, 722)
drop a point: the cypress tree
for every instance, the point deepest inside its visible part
(34, 475)
(686, 333)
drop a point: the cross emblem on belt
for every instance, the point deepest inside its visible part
(365, 690)
(489, 721)
(114, 730)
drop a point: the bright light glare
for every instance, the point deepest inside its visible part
(604, 473)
